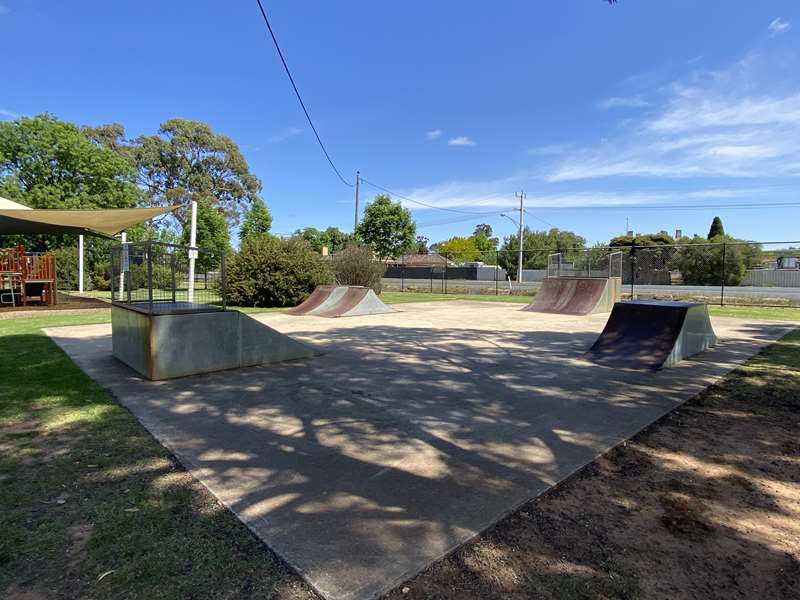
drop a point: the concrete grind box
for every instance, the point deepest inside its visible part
(164, 346)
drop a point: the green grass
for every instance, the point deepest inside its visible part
(404, 297)
(74, 465)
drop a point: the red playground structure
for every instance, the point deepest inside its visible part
(27, 277)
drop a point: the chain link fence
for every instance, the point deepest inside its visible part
(731, 273)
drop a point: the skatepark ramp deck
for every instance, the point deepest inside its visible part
(651, 334)
(164, 346)
(576, 295)
(341, 301)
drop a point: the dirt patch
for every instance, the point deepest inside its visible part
(78, 536)
(66, 303)
(14, 592)
(704, 503)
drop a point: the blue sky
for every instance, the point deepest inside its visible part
(456, 104)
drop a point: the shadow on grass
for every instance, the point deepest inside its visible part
(86, 490)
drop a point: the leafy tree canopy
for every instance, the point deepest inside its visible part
(185, 161)
(387, 227)
(334, 238)
(485, 242)
(48, 163)
(421, 246)
(257, 220)
(716, 228)
(647, 239)
(460, 249)
(536, 247)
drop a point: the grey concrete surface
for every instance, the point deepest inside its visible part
(412, 433)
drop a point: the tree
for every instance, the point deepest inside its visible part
(647, 239)
(422, 245)
(460, 249)
(269, 271)
(336, 239)
(387, 227)
(186, 161)
(48, 163)
(537, 245)
(212, 234)
(487, 245)
(715, 229)
(257, 220)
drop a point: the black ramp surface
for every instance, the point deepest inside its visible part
(640, 334)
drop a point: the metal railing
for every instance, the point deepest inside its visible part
(159, 278)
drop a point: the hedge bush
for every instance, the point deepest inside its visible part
(356, 265)
(268, 271)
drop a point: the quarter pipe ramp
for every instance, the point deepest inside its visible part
(651, 334)
(576, 295)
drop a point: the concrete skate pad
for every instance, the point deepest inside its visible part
(411, 434)
(576, 295)
(653, 334)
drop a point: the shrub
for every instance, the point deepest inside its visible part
(356, 265)
(101, 276)
(268, 271)
(67, 268)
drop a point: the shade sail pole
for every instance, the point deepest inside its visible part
(192, 249)
(80, 264)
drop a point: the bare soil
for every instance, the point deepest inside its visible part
(705, 503)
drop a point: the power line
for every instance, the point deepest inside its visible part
(299, 98)
(455, 210)
(750, 205)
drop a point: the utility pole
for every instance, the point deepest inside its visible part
(521, 197)
(627, 225)
(358, 188)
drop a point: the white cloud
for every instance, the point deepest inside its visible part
(433, 134)
(622, 102)
(742, 121)
(4, 112)
(284, 134)
(461, 141)
(778, 26)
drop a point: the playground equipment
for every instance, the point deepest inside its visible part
(30, 276)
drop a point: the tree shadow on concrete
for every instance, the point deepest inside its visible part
(400, 443)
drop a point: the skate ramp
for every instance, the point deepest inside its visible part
(651, 334)
(355, 302)
(576, 295)
(322, 298)
(176, 345)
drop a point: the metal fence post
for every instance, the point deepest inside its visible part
(445, 274)
(403, 274)
(496, 274)
(174, 283)
(223, 287)
(149, 247)
(722, 289)
(633, 269)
